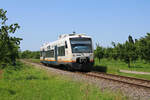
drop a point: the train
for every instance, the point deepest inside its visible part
(72, 51)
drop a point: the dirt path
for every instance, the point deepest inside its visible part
(134, 72)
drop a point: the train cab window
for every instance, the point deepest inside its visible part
(66, 46)
(61, 51)
(81, 45)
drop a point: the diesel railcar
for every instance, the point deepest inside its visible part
(75, 51)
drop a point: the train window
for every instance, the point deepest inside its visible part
(61, 51)
(81, 45)
(43, 53)
(48, 47)
(66, 46)
(51, 53)
(48, 53)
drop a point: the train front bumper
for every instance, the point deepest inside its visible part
(78, 66)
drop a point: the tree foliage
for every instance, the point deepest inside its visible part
(30, 54)
(99, 52)
(143, 47)
(9, 45)
(128, 52)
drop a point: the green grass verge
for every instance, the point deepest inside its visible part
(28, 83)
(34, 60)
(114, 66)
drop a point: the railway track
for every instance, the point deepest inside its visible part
(117, 78)
(120, 79)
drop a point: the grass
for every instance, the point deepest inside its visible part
(114, 66)
(25, 82)
(34, 60)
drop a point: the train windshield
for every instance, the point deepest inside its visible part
(81, 45)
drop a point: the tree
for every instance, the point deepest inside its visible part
(8, 45)
(127, 51)
(30, 54)
(143, 47)
(108, 53)
(115, 51)
(99, 52)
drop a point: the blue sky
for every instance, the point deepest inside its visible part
(105, 20)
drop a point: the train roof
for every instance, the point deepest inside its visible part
(72, 35)
(64, 36)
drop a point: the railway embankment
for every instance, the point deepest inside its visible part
(130, 91)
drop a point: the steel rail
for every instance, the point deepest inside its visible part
(126, 78)
(114, 80)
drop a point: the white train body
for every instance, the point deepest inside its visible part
(73, 50)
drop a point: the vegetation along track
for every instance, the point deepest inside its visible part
(120, 79)
(116, 78)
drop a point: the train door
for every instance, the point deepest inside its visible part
(56, 53)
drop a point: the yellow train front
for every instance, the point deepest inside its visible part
(75, 51)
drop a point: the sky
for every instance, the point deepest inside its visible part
(104, 20)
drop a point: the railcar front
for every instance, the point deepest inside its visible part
(82, 53)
